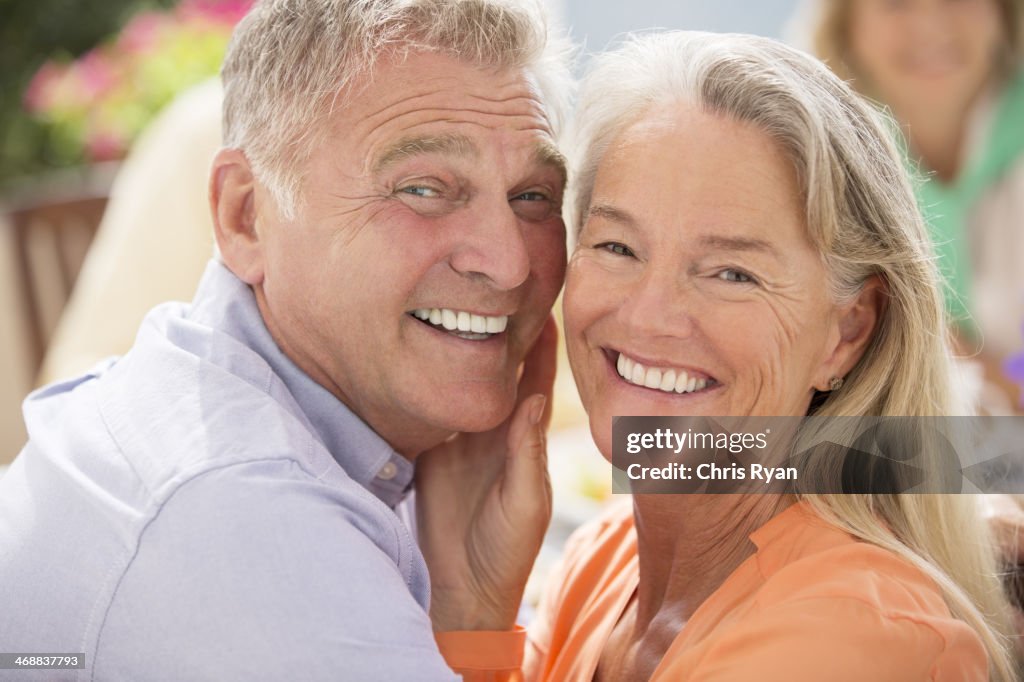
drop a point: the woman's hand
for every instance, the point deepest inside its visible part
(483, 503)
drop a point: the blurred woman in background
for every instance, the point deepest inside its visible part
(950, 72)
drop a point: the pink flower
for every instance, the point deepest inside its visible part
(96, 74)
(141, 32)
(39, 95)
(104, 146)
(227, 12)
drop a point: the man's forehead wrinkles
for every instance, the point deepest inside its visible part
(383, 130)
(458, 99)
(392, 104)
(470, 108)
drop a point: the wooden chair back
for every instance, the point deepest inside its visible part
(50, 242)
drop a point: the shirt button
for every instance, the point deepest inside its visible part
(387, 472)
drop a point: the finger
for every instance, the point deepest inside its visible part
(525, 488)
(540, 367)
(526, 435)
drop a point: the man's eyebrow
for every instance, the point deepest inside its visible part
(547, 154)
(451, 144)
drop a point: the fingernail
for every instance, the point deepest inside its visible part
(537, 411)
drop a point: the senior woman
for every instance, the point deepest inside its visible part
(747, 244)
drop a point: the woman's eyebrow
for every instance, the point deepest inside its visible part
(718, 242)
(612, 213)
(709, 242)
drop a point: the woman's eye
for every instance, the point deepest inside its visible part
(730, 275)
(616, 248)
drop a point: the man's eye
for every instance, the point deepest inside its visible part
(533, 206)
(731, 275)
(530, 196)
(616, 248)
(421, 191)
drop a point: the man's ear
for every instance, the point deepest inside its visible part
(857, 322)
(233, 207)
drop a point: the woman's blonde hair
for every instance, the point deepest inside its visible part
(828, 24)
(290, 62)
(862, 217)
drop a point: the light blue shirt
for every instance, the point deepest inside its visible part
(201, 509)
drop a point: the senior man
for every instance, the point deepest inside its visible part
(220, 502)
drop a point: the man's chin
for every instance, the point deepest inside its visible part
(473, 412)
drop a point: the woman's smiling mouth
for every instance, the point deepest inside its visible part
(665, 379)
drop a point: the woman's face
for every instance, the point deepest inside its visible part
(925, 53)
(694, 289)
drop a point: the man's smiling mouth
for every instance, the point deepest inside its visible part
(462, 324)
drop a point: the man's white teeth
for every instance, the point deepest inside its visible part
(667, 380)
(496, 325)
(461, 321)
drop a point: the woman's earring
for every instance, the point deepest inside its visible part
(835, 383)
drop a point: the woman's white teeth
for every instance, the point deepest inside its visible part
(682, 381)
(449, 319)
(462, 321)
(667, 380)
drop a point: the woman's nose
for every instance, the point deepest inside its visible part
(661, 303)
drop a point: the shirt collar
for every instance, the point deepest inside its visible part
(226, 303)
(795, 532)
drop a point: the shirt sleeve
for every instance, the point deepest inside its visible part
(484, 656)
(259, 572)
(567, 585)
(840, 640)
(538, 642)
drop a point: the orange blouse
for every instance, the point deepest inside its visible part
(811, 604)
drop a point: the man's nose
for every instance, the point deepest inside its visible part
(492, 245)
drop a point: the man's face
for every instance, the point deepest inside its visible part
(436, 193)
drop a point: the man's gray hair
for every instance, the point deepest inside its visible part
(290, 63)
